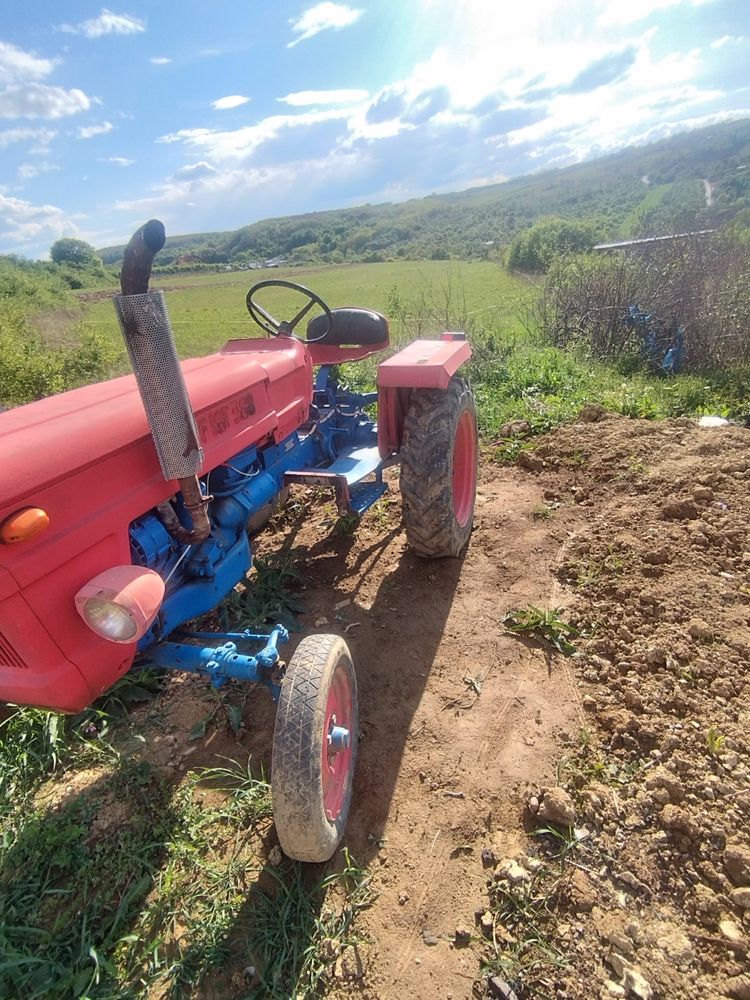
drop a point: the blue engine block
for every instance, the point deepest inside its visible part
(339, 435)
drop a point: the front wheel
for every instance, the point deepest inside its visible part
(315, 748)
(439, 469)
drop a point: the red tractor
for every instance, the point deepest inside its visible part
(125, 508)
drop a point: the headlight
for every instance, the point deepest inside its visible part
(121, 603)
(110, 620)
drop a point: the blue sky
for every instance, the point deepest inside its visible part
(213, 115)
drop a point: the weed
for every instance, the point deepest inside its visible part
(524, 953)
(266, 599)
(545, 626)
(297, 935)
(346, 525)
(715, 741)
(542, 512)
(589, 573)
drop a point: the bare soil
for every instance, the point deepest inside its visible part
(638, 530)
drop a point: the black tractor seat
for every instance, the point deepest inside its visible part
(349, 327)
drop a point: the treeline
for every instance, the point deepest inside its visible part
(33, 364)
(643, 190)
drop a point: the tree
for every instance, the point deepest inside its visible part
(536, 248)
(75, 252)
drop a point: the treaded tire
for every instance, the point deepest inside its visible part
(320, 669)
(440, 432)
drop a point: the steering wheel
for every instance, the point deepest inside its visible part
(284, 328)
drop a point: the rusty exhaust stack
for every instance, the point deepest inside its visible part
(145, 326)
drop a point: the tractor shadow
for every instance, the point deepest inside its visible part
(394, 625)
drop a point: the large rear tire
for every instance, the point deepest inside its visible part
(439, 469)
(315, 748)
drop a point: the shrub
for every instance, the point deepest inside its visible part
(701, 284)
(537, 247)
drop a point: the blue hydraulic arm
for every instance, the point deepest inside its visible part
(222, 662)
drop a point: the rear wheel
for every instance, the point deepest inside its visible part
(439, 469)
(315, 748)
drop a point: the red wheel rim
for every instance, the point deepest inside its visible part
(337, 764)
(464, 467)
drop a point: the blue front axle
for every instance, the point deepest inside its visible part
(222, 662)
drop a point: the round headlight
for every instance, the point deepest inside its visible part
(109, 620)
(121, 603)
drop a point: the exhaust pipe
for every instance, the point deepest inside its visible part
(148, 336)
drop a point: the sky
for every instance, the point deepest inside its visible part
(210, 116)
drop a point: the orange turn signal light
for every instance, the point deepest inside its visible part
(24, 525)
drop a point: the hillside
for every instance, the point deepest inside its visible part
(644, 189)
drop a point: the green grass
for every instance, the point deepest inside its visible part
(114, 883)
(207, 310)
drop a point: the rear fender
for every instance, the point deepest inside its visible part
(424, 364)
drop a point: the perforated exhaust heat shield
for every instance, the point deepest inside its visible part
(149, 339)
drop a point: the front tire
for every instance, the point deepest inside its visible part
(312, 768)
(439, 469)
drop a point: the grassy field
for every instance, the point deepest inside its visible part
(514, 374)
(206, 310)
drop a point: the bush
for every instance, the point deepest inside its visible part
(701, 284)
(536, 248)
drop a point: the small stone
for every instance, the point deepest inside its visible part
(349, 964)
(529, 461)
(534, 804)
(275, 857)
(658, 556)
(488, 857)
(700, 629)
(591, 413)
(515, 428)
(329, 949)
(741, 897)
(487, 922)
(730, 930)
(737, 864)
(612, 989)
(557, 807)
(680, 510)
(499, 989)
(678, 821)
(656, 656)
(429, 938)
(461, 936)
(589, 703)
(738, 987)
(512, 871)
(403, 898)
(703, 494)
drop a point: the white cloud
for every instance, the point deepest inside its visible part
(107, 23)
(242, 142)
(232, 101)
(89, 131)
(42, 136)
(37, 100)
(195, 171)
(120, 161)
(617, 12)
(17, 65)
(28, 170)
(23, 222)
(719, 43)
(303, 98)
(160, 60)
(320, 18)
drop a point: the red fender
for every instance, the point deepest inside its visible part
(424, 364)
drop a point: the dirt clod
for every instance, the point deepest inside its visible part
(557, 807)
